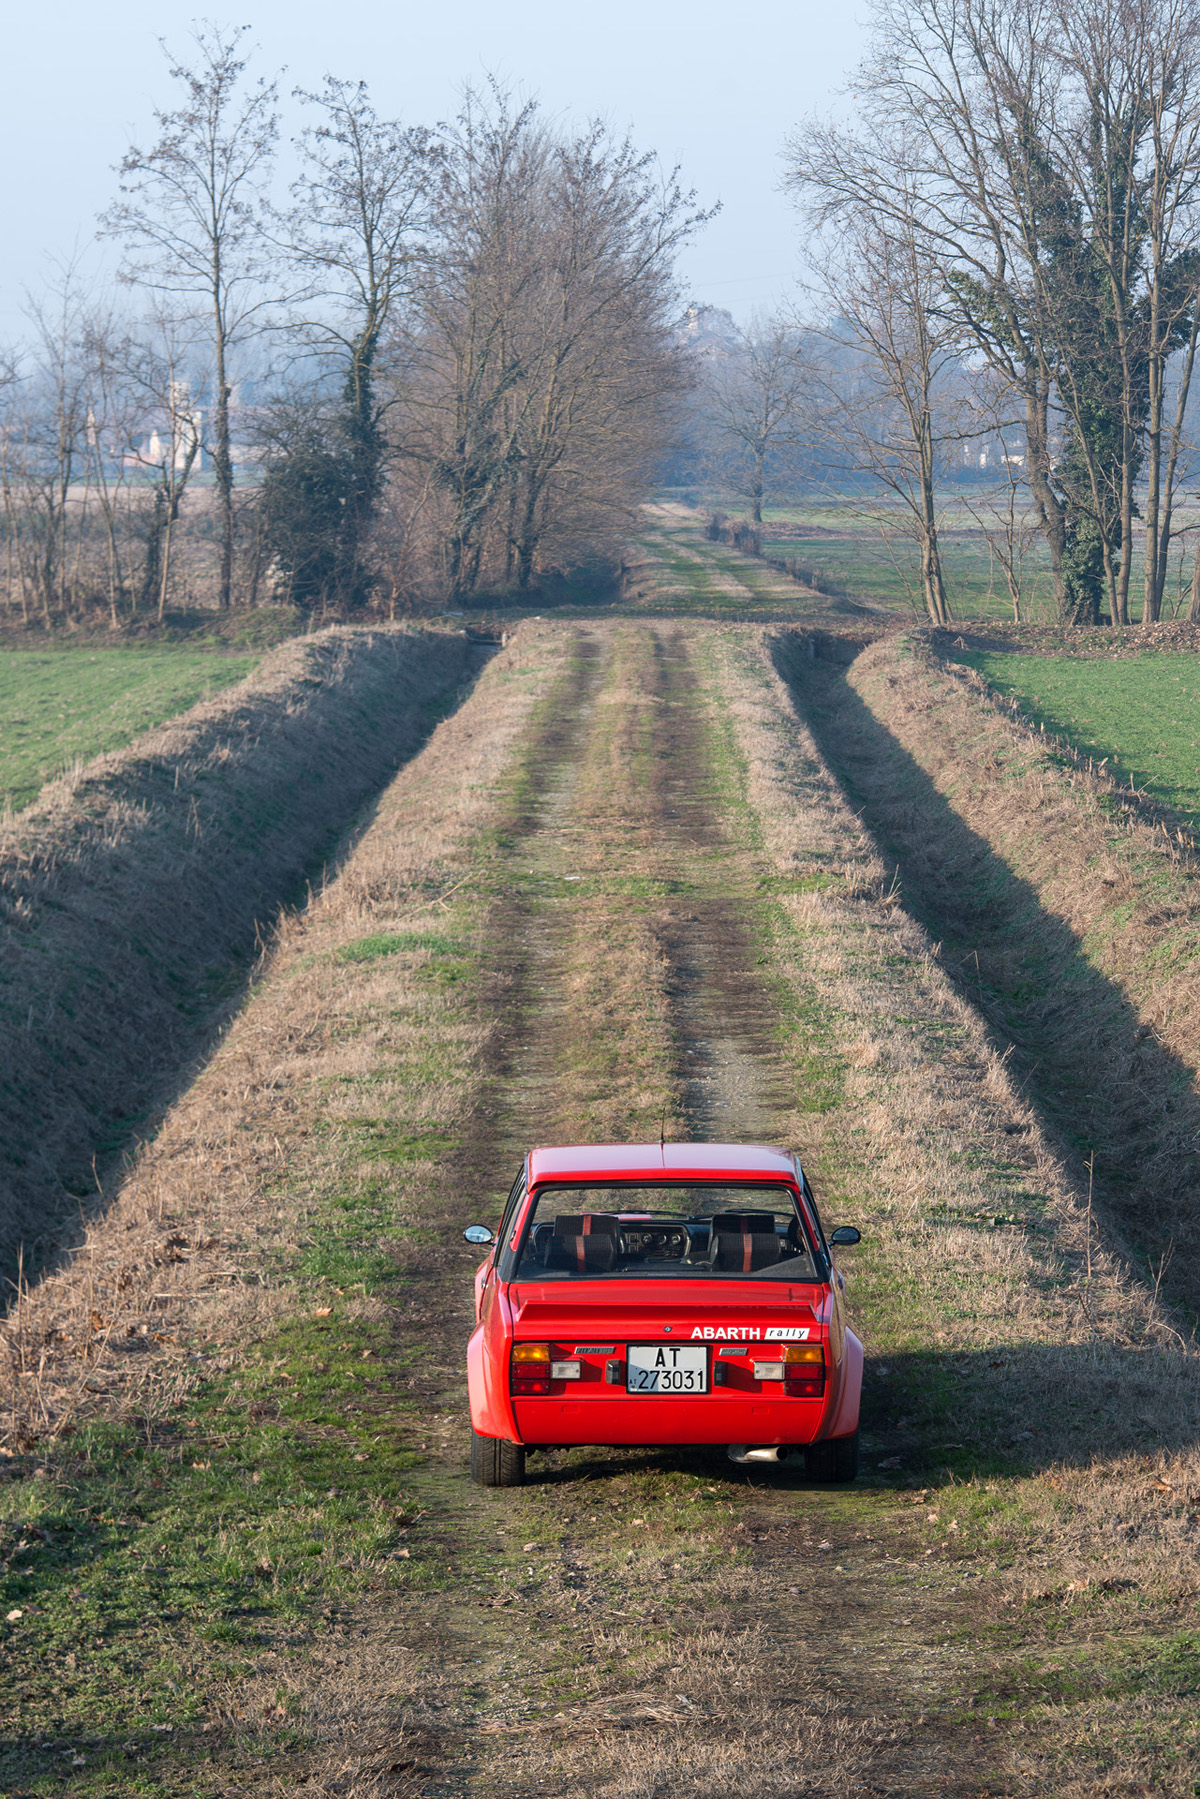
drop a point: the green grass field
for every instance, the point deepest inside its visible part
(868, 556)
(1142, 712)
(867, 566)
(62, 706)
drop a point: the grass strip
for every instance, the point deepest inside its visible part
(65, 706)
(1139, 714)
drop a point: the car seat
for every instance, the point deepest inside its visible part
(586, 1243)
(743, 1241)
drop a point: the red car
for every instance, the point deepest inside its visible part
(662, 1293)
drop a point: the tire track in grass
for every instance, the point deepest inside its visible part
(645, 1657)
(611, 1623)
(683, 563)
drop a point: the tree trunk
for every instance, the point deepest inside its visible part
(223, 471)
(756, 491)
(936, 603)
(1049, 507)
(1193, 611)
(365, 450)
(1152, 602)
(1120, 599)
(1162, 544)
(152, 570)
(164, 579)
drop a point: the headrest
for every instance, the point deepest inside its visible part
(594, 1253)
(744, 1251)
(743, 1221)
(588, 1224)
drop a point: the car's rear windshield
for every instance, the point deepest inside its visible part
(691, 1231)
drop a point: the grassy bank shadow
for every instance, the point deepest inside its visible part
(129, 952)
(1108, 1088)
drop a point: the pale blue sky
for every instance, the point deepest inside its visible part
(696, 83)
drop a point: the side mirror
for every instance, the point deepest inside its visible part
(479, 1233)
(845, 1236)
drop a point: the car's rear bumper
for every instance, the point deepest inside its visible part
(648, 1420)
(722, 1415)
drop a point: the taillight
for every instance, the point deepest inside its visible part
(804, 1371)
(529, 1369)
(800, 1366)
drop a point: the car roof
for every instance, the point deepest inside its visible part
(656, 1161)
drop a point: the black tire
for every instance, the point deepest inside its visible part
(834, 1461)
(495, 1463)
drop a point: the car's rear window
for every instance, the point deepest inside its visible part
(688, 1231)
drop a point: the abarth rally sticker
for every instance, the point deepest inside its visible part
(750, 1333)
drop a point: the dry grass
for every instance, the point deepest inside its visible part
(666, 1628)
(929, 1093)
(135, 893)
(1036, 1322)
(1075, 916)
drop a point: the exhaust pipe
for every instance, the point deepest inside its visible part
(746, 1452)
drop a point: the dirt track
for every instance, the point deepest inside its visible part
(745, 1633)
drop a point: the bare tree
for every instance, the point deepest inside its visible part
(543, 365)
(53, 432)
(602, 366)
(886, 293)
(469, 354)
(1003, 515)
(755, 399)
(355, 232)
(160, 368)
(113, 417)
(190, 215)
(1055, 147)
(13, 559)
(1169, 183)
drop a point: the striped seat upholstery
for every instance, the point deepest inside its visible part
(743, 1241)
(586, 1243)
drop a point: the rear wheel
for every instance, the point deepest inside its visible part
(495, 1463)
(834, 1461)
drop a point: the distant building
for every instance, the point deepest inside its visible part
(175, 434)
(708, 330)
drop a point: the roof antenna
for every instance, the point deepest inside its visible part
(662, 1130)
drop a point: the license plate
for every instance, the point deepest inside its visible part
(663, 1368)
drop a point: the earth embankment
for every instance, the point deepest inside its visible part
(135, 893)
(1068, 918)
